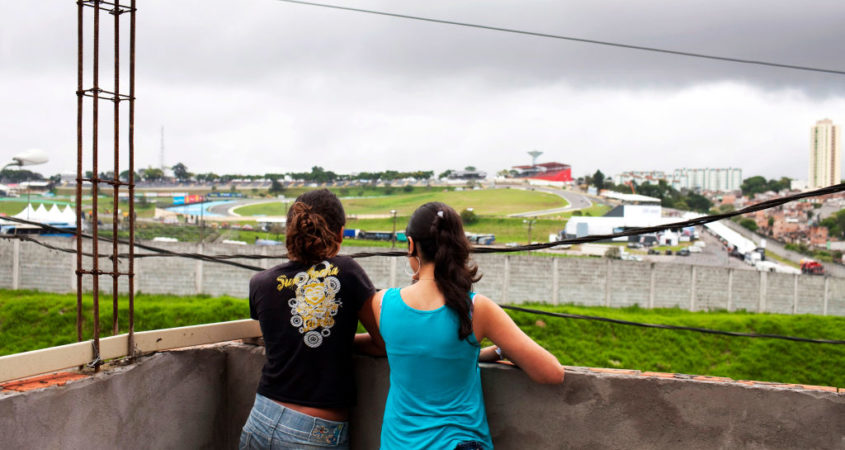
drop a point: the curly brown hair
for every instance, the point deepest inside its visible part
(315, 221)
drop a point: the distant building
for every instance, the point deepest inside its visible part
(825, 155)
(640, 177)
(712, 180)
(551, 171)
(468, 175)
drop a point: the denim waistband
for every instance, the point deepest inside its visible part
(302, 425)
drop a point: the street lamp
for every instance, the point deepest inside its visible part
(530, 223)
(393, 236)
(28, 158)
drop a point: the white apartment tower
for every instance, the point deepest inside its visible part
(825, 155)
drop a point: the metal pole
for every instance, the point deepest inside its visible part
(393, 236)
(95, 183)
(79, 96)
(131, 351)
(115, 178)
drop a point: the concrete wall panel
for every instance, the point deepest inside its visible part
(200, 398)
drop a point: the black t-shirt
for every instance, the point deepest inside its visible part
(308, 317)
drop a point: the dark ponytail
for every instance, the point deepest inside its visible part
(314, 223)
(439, 238)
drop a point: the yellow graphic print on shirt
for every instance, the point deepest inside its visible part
(315, 303)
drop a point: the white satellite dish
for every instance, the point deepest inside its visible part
(30, 158)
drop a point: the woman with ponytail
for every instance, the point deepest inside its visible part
(431, 332)
(308, 309)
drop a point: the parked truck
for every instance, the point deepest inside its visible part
(811, 267)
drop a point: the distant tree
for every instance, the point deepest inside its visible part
(277, 229)
(613, 253)
(180, 171)
(445, 174)
(758, 184)
(598, 179)
(726, 208)
(408, 188)
(771, 221)
(698, 202)
(124, 176)
(470, 168)
(753, 185)
(749, 224)
(208, 177)
(20, 175)
(468, 217)
(503, 173)
(276, 188)
(152, 174)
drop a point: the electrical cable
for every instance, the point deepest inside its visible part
(554, 314)
(160, 252)
(571, 38)
(672, 327)
(223, 259)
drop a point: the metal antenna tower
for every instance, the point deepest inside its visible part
(161, 153)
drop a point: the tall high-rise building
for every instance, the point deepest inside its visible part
(825, 155)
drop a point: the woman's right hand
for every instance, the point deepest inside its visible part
(490, 321)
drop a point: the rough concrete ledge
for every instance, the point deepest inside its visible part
(200, 397)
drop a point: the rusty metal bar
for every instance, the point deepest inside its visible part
(131, 338)
(106, 95)
(116, 174)
(98, 4)
(101, 272)
(79, 95)
(106, 181)
(97, 94)
(95, 216)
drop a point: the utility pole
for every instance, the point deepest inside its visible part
(393, 236)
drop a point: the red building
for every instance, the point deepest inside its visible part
(550, 171)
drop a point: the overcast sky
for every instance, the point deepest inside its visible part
(256, 86)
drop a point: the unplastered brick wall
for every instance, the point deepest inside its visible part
(505, 278)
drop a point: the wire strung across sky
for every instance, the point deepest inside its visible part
(226, 259)
(573, 39)
(671, 327)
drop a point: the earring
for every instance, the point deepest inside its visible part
(410, 272)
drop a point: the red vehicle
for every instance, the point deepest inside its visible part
(811, 267)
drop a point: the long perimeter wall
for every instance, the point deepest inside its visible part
(507, 278)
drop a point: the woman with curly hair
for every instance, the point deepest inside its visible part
(308, 309)
(431, 332)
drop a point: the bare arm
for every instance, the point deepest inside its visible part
(371, 342)
(491, 321)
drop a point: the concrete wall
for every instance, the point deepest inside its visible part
(200, 397)
(507, 278)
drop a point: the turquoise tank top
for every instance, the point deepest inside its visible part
(435, 399)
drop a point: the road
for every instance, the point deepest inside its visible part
(776, 247)
(576, 201)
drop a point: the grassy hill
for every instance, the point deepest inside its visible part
(488, 202)
(30, 320)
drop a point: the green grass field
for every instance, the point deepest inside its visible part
(490, 202)
(30, 320)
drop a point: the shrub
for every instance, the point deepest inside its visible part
(748, 223)
(468, 217)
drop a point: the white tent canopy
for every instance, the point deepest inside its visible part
(54, 215)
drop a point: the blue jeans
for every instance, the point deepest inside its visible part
(272, 426)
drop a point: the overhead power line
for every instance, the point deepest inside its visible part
(672, 327)
(572, 38)
(226, 259)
